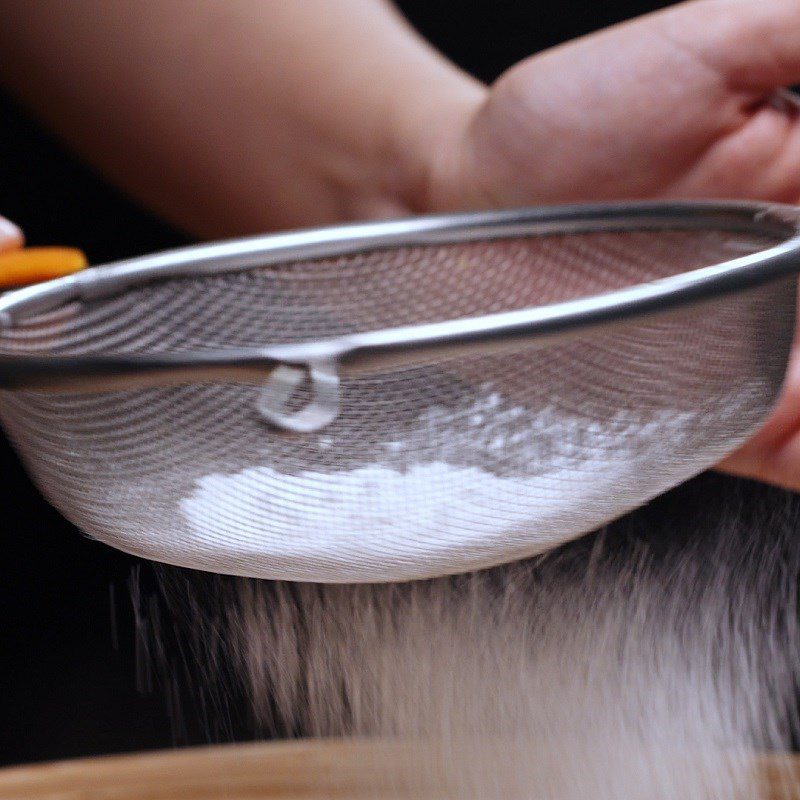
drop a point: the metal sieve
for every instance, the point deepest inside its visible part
(403, 399)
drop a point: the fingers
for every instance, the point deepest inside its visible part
(672, 103)
(754, 45)
(10, 235)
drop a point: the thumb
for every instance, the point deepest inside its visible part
(10, 235)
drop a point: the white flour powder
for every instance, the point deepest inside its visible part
(395, 521)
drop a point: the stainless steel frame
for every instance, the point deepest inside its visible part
(280, 368)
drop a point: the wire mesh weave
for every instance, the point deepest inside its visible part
(425, 471)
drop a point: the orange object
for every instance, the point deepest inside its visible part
(34, 264)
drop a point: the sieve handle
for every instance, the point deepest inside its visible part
(32, 265)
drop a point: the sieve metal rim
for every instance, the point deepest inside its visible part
(323, 360)
(332, 241)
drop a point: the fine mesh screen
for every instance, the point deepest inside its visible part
(426, 470)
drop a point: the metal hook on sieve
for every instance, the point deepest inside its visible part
(284, 381)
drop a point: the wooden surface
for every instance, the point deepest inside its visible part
(305, 770)
(310, 770)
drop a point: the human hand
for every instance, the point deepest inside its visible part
(680, 103)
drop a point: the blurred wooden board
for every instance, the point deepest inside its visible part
(301, 770)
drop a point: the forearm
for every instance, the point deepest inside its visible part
(234, 116)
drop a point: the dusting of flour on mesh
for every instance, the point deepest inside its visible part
(425, 509)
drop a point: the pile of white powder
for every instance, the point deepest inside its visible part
(464, 488)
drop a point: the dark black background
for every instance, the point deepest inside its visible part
(68, 661)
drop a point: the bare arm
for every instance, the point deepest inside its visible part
(234, 116)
